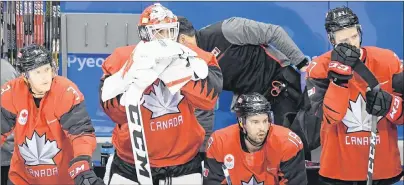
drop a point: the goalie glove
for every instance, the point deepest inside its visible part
(198, 65)
(81, 171)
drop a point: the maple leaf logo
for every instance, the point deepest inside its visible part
(161, 101)
(252, 181)
(38, 150)
(356, 118)
(23, 117)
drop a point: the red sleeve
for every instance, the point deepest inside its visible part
(203, 93)
(336, 102)
(75, 121)
(292, 166)
(213, 172)
(329, 100)
(396, 114)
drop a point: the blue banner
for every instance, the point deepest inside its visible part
(85, 71)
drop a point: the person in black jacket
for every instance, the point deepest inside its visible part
(253, 57)
(8, 73)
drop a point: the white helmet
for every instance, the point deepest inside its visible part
(158, 22)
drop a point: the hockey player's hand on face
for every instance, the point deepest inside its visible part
(343, 58)
(378, 102)
(82, 173)
(346, 54)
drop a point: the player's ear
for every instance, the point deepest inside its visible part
(181, 39)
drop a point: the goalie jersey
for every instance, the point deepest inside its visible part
(172, 131)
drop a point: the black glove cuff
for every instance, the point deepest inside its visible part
(340, 80)
(82, 158)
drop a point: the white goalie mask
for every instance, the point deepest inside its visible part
(158, 22)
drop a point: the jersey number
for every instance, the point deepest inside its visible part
(295, 139)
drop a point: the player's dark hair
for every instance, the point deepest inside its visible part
(186, 27)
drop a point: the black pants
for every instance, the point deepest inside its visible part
(327, 181)
(4, 174)
(128, 170)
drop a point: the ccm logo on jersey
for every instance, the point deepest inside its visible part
(395, 107)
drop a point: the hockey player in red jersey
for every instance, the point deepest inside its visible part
(255, 151)
(172, 132)
(341, 99)
(54, 136)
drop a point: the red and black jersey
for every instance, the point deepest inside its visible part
(345, 129)
(279, 161)
(48, 137)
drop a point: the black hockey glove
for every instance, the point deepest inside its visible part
(378, 102)
(382, 103)
(81, 171)
(346, 54)
(339, 73)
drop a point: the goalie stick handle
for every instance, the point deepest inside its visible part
(138, 141)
